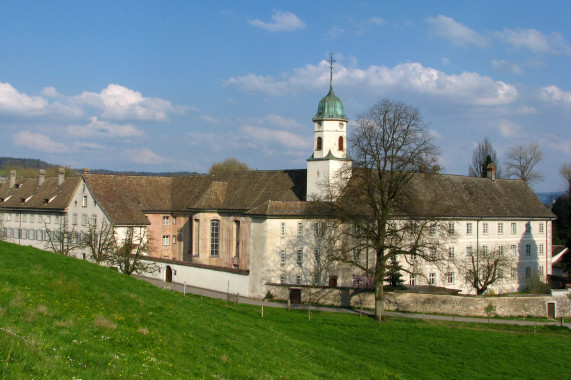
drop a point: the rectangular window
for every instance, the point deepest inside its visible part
(500, 228)
(485, 249)
(541, 228)
(451, 253)
(527, 272)
(317, 255)
(541, 270)
(299, 229)
(316, 278)
(316, 227)
(514, 273)
(56, 219)
(528, 228)
(541, 249)
(451, 228)
(174, 239)
(501, 250)
(166, 239)
(282, 257)
(84, 219)
(432, 252)
(282, 229)
(196, 237)
(514, 250)
(24, 233)
(94, 220)
(432, 279)
(32, 234)
(432, 229)
(356, 254)
(412, 279)
(514, 228)
(299, 256)
(24, 217)
(469, 228)
(40, 235)
(214, 237)
(32, 218)
(298, 279)
(469, 250)
(74, 219)
(166, 221)
(282, 279)
(450, 278)
(485, 229)
(84, 201)
(528, 249)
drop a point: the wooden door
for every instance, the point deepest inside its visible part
(168, 275)
(295, 296)
(551, 310)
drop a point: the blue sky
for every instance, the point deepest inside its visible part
(178, 85)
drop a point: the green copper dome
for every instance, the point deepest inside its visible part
(330, 107)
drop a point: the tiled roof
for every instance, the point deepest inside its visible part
(27, 195)
(124, 197)
(292, 208)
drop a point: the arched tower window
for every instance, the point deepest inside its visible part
(319, 144)
(340, 142)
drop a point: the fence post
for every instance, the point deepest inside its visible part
(184, 292)
(288, 305)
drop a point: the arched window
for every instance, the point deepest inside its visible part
(319, 144)
(340, 142)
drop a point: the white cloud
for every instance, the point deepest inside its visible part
(50, 92)
(506, 67)
(37, 141)
(118, 102)
(271, 135)
(334, 32)
(377, 21)
(464, 88)
(456, 32)
(281, 22)
(535, 41)
(12, 101)
(105, 129)
(509, 129)
(555, 95)
(144, 156)
(210, 119)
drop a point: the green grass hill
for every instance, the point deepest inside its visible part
(63, 318)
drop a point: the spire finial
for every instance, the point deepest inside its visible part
(331, 60)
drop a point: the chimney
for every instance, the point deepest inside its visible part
(60, 176)
(41, 177)
(85, 171)
(12, 179)
(491, 171)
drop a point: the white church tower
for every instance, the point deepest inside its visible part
(329, 167)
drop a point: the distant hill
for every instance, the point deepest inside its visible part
(26, 163)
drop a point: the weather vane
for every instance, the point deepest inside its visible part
(331, 60)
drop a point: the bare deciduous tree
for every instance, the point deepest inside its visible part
(521, 161)
(228, 165)
(479, 157)
(100, 242)
(63, 240)
(378, 213)
(485, 267)
(130, 251)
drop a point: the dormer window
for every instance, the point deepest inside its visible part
(6, 199)
(48, 200)
(319, 144)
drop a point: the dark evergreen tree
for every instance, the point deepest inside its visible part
(394, 273)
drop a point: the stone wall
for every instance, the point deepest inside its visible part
(506, 306)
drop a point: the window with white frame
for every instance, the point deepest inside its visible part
(485, 228)
(32, 218)
(282, 257)
(282, 229)
(298, 279)
(469, 250)
(514, 228)
(451, 253)
(514, 273)
(450, 278)
(214, 237)
(84, 219)
(541, 228)
(541, 270)
(94, 219)
(166, 239)
(166, 221)
(174, 239)
(74, 219)
(317, 255)
(528, 227)
(501, 250)
(432, 229)
(84, 201)
(500, 228)
(432, 252)
(299, 258)
(412, 279)
(299, 229)
(528, 249)
(451, 228)
(527, 272)
(316, 278)
(485, 248)
(316, 226)
(469, 228)
(541, 249)
(432, 279)
(282, 279)
(514, 249)
(24, 217)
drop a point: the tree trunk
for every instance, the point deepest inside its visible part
(379, 301)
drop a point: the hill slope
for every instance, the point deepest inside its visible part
(63, 318)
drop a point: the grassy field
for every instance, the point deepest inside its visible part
(66, 318)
